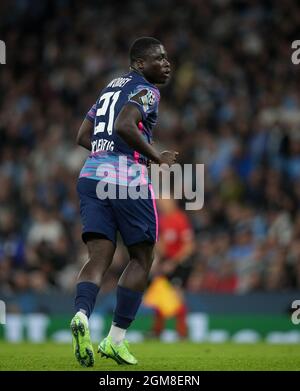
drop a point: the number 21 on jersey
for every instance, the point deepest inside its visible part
(107, 102)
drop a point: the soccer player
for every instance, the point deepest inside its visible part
(119, 126)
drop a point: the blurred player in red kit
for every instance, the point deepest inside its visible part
(175, 250)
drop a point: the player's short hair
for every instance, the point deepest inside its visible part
(141, 46)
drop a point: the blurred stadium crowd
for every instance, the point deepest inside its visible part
(233, 104)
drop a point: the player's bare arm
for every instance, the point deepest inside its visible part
(127, 127)
(84, 134)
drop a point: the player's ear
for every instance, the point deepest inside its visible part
(140, 63)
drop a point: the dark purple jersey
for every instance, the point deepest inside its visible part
(104, 160)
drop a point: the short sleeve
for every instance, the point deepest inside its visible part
(91, 114)
(145, 98)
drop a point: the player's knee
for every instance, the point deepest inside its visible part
(145, 263)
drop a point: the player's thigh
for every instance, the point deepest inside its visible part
(137, 219)
(97, 215)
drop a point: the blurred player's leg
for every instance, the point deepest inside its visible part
(101, 253)
(130, 290)
(159, 323)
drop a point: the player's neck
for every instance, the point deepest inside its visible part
(132, 68)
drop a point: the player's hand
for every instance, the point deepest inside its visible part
(168, 157)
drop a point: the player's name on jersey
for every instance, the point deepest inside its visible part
(102, 145)
(119, 82)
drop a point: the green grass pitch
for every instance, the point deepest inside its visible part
(156, 356)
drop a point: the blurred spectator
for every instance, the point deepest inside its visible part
(45, 228)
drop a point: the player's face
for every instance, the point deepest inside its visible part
(156, 67)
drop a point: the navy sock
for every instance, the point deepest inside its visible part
(128, 303)
(86, 294)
